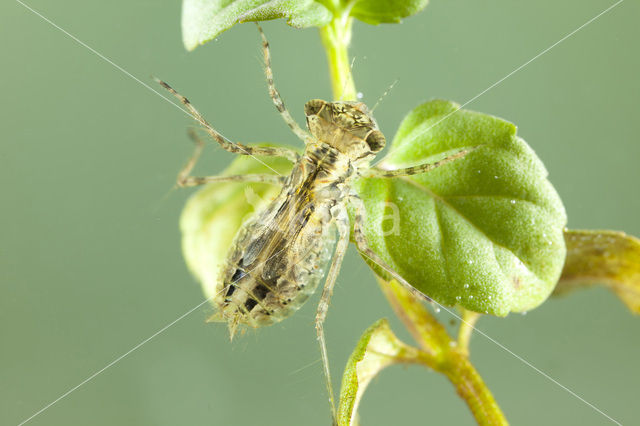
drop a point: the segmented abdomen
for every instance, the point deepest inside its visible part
(275, 264)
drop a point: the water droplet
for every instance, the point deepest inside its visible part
(470, 296)
(513, 201)
(359, 95)
(458, 298)
(436, 310)
(479, 171)
(495, 177)
(466, 286)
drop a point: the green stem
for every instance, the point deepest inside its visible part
(424, 328)
(441, 353)
(469, 320)
(336, 37)
(470, 387)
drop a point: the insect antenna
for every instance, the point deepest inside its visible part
(386, 92)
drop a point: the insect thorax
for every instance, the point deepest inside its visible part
(279, 256)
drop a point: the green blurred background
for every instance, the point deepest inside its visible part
(91, 262)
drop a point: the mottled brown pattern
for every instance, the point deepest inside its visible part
(280, 255)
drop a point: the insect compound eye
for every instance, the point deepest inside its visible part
(313, 107)
(375, 140)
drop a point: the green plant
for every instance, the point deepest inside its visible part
(486, 235)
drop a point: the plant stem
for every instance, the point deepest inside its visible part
(441, 353)
(336, 37)
(424, 328)
(469, 320)
(470, 387)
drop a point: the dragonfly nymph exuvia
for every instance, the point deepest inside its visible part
(281, 253)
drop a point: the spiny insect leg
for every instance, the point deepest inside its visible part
(342, 222)
(275, 95)
(201, 180)
(234, 147)
(421, 168)
(185, 179)
(363, 247)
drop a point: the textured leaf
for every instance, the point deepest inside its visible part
(203, 20)
(378, 348)
(485, 231)
(213, 215)
(603, 257)
(386, 11)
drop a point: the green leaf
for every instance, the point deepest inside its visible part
(484, 232)
(203, 20)
(378, 348)
(603, 257)
(213, 215)
(376, 12)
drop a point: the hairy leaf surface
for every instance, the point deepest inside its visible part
(386, 11)
(204, 20)
(484, 232)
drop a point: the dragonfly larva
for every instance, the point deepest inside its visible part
(279, 255)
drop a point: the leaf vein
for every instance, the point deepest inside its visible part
(466, 219)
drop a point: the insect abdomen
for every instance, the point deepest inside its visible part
(268, 276)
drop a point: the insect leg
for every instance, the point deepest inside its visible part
(201, 180)
(275, 95)
(365, 250)
(236, 148)
(342, 222)
(421, 168)
(184, 178)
